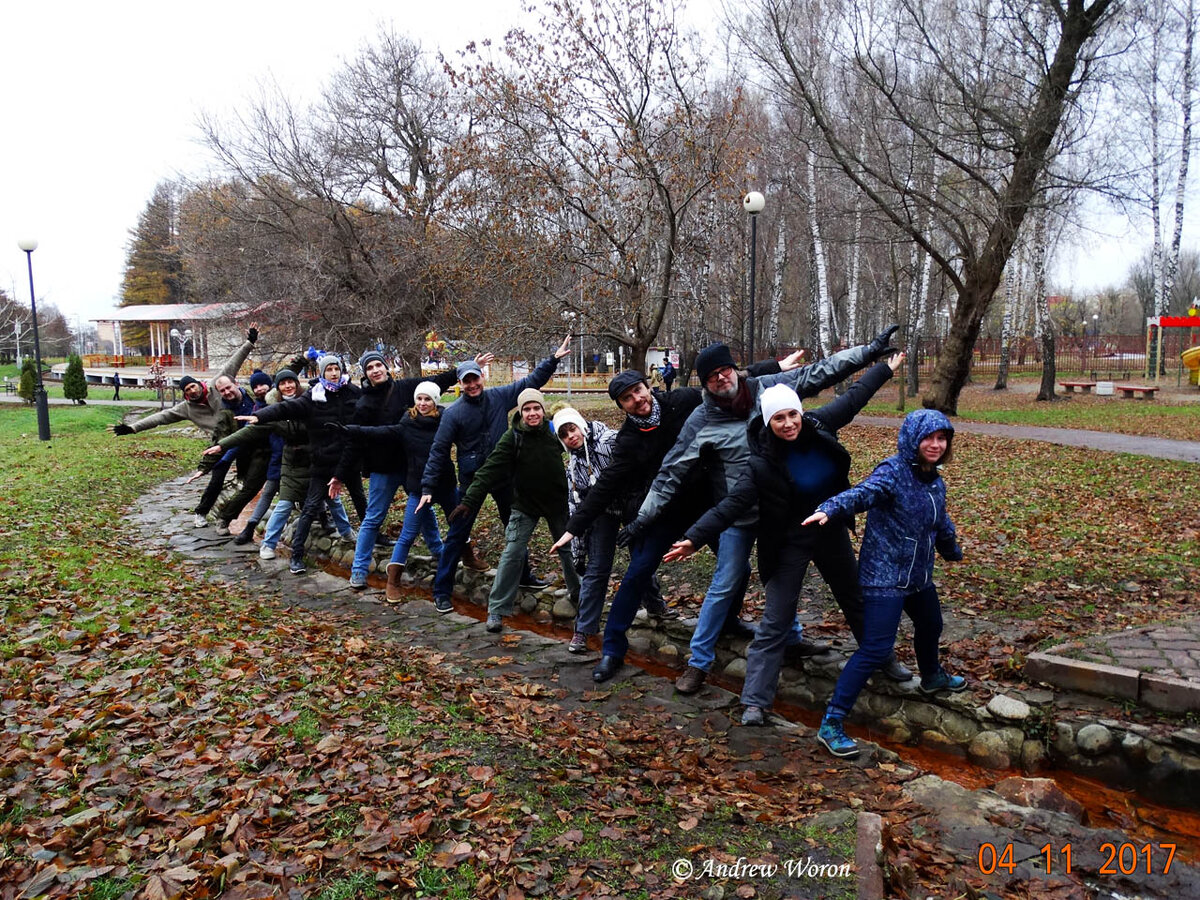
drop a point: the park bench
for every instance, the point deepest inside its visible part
(1129, 391)
(9, 387)
(1085, 386)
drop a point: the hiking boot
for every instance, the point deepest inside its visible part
(657, 606)
(804, 649)
(471, 560)
(495, 624)
(896, 670)
(358, 582)
(533, 583)
(834, 739)
(393, 593)
(296, 566)
(199, 520)
(443, 604)
(737, 628)
(943, 681)
(246, 535)
(606, 668)
(578, 643)
(754, 716)
(265, 552)
(691, 680)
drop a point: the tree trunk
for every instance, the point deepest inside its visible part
(1043, 324)
(1010, 283)
(824, 308)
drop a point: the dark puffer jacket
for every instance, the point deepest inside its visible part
(337, 407)
(533, 459)
(782, 506)
(412, 437)
(381, 405)
(907, 519)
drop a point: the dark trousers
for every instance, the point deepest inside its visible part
(314, 503)
(253, 473)
(458, 535)
(215, 482)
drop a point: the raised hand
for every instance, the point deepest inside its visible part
(564, 348)
(485, 359)
(895, 361)
(792, 361)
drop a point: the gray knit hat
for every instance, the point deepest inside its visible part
(327, 359)
(371, 356)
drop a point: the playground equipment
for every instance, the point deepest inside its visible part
(1155, 340)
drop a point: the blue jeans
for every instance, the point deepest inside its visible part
(381, 491)
(725, 595)
(270, 489)
(283, 511)
(645, 554)
(882, 610)
(423, 522)
(601, 548)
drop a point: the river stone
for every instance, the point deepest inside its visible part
(1064, 738)
(958, 728)
(563, 609)
(881, 705)
(528, 602)
(1134, 748)
(924, 714)
(736, 668)
(1008, 708)
(668, 651)
(895, 729)
(935, 740)
(1039, 793)
(1014, 737)
(989, 749)
(1094, 739)
(1033, 756)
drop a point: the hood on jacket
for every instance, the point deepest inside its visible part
(568, 415)
(918, 425)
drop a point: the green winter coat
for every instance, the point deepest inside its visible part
(533, 458)
(295, 471)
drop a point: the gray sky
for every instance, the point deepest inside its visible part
(101, 102)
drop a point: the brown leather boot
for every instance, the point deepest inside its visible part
(394, 571)
(471, 561)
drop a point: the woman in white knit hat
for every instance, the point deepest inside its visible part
(796, 463)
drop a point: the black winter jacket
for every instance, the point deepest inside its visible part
(412, 438)
(767, 482)
(325, 444)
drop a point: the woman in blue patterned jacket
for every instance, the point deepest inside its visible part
(906, 524)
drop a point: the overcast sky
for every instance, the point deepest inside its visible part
(101, 101)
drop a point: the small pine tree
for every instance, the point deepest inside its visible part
(28, 380)
(74, 383)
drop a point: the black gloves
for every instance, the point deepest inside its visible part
(122, 429)
(628, 534)
(458, 512)
(881, 347)
(252, 335)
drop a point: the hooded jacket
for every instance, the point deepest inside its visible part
(532, 458)
(782, 506)
(474, 425)
(205, 414)
(714, 438)
(906, 519)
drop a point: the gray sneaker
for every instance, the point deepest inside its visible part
(443, 604)
(495, 624)
(754, 715)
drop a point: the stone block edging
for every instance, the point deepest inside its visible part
(1159, 692)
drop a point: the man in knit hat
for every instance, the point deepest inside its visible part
(383, 402)
(529, 457)
(473, 425)
(202, 403)
(713, 445)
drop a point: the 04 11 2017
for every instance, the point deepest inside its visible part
(1123, 859)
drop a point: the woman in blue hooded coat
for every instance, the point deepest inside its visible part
(907, 522)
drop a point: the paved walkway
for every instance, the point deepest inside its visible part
(957, 820)
(1161, 448)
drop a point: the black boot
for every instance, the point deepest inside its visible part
(246, 535)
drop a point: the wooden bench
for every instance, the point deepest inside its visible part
(1085, 386)
(1130, 391)
(9, 386)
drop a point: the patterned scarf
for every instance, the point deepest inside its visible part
(651, 421)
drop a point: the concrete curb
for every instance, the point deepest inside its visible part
(1158, 692)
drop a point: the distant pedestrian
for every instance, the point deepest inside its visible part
(906, 524)
(116, 381)
(668, 374)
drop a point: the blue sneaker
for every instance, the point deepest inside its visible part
(943, 681)
(358, 581)
(296, 566)
(834, 739)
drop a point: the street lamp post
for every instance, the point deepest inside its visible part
(28, 245)
(753, 203)
(184, 337)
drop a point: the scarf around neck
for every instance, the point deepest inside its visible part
(650, 421)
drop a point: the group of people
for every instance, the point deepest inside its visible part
(735, 460)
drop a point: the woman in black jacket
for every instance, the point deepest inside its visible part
(796, 463)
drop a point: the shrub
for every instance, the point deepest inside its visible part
(74, 383)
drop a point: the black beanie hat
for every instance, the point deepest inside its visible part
(711, 358)
(284, 375)
(257, 377)
(186, 380)
(623, 382)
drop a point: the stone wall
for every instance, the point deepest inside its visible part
(1026, 728)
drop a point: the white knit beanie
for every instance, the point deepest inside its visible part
(568, 416)
(777, 397)
(428, 389)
